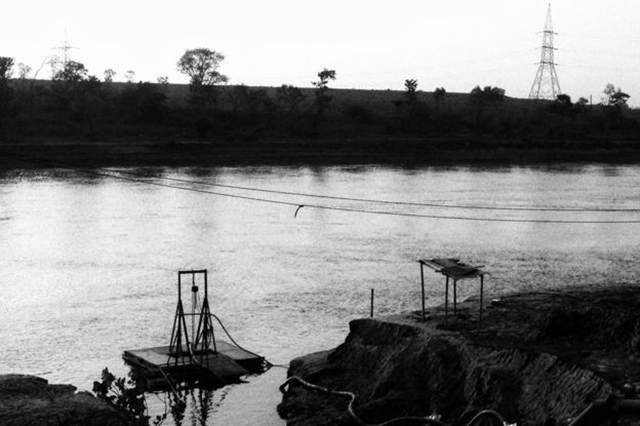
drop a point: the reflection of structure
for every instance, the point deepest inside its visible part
(545, 84)
(454, 270)
(193, 355)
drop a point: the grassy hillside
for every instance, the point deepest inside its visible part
(97, 111)
(381, 101)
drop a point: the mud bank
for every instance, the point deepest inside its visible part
(538, 357)
(30, 400)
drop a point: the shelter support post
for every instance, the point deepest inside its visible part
(481, 294)
(446, 299)
(422, 280)
(455, 297)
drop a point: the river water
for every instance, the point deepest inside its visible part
(90, 261)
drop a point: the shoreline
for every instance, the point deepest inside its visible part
(32, 400)
(539, 357)
(312, 152)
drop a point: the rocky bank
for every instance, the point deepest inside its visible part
(31, 400)
(538, 358)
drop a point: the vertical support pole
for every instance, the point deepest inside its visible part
(210, 321)
(481, 293)
(422, 280)
(194, 306)
(372, 295)
(179, 286)
(455, 297)
(446, 299)
(206, 285)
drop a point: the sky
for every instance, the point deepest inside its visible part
(371, 44)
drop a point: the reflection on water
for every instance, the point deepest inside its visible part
(198, 401)
(90, 262)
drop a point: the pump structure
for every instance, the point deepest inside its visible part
(194, 357)
(202, 340)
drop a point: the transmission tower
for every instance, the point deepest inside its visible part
(546, 85)
(63, 58)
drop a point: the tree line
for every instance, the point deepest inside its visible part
(77, 105)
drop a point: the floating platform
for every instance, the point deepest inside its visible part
(194, 357)
(160, 370)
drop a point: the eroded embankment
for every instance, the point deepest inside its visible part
(538, 356)
(30, 400)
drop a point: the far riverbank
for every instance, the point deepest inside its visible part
(312, 152)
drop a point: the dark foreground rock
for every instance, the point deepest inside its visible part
(538, 358)
(30, 400)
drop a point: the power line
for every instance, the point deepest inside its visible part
(401, 203)
(314, 206)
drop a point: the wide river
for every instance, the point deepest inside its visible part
(90, 261)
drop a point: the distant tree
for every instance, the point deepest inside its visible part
(582, 101)
(201, 65)
(71, 72)
(324, 77)
(411, 92)
(289, 98)
(163, 80)
(259, 102)
(6, 91)
(562, 105)
(488, 95)
(130, 76)
(142, 102)
(23, 71)
(615, 97)
(66, 81)
(108, 75)
(6, 68)
(70, 85)
(322, 87)
(482, 99)
(408, 107)
(620, 99)
(564, 100)
(608, 91)
(249, 101)
(238, 97)
(439, 95)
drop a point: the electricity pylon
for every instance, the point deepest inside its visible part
(62, 59)
(546, 85)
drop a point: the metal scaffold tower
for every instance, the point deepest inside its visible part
(201, 341)
(545, 84)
